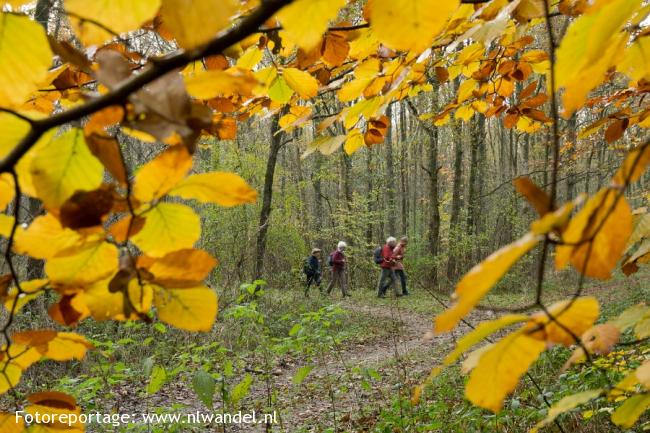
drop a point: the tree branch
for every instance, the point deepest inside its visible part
(119, 95)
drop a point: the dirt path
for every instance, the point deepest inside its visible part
(397, 358)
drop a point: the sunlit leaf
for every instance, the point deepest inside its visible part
(44, 238)
(83, 264)
(567, 319)
(58, 346)
(119, 16)
(26, 57)
(597, 236)
(566, 404)
(305, 21)
(410, 24)
(161, 174)
(301, 82)
(183, 268)
(499, 369)
(64, 166)
(480, 279)
(168, 227)
(195, 22)
(222, 188)
(193, 309)
(629, 412)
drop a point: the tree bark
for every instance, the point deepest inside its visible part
(267, 197)
(390, 175)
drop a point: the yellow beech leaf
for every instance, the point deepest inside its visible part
(597, 235)
(195, 22)
(63, 166)
(44, 238)
(12, 130)
(56, 405)
(179, 268)
(498, 370)
(635, 63)
(482, 331)
(629, 412)
(633, 166)
(101, 303)
(26, 57)
(251, 57)
(353, 142)
(591, 45)
(575, 315)
(120, 16)
(301, 82)
(325, 145)
(480, 279)
(465, 89)
(161, 174)
(566, 404)
(410, 24)
(6, 224)
(279, 91)
(305, 21)
(193, 309)
(222, 188)
(9, 423)
(84, 264)
(629, 317)
(212, 83)
(168, 227)
(21, 357)
(7, 190)
(58, 346)
(464, 113)
(32, 289)
(353, 89)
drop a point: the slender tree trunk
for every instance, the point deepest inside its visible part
(454, 223)
(390, 175)
(402, 169)
(434, 214)
(267, 197)
(369, 197)
(572, 139)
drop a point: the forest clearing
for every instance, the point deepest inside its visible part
(324, 216)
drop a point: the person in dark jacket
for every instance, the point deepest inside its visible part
(387, 277)
(312, 270)
(338, 270)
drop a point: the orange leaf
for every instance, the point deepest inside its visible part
(536, 196)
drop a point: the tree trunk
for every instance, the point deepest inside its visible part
(390, 175)
(267, 196)
(454, 223)
(434, 218)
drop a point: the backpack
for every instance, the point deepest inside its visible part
(330, 259)
(379, 259)
(306, 267)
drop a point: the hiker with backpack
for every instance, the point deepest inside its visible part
(337, 261)
(387, 277)
(398, 255)
(311, 269)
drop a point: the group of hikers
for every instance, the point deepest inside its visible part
(389, 257)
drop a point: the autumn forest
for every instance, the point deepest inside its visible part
(324, 216)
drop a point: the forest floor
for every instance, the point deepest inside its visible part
(385, 350)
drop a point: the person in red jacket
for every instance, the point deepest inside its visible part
(387, 277)
(398, 255)
(338, 270)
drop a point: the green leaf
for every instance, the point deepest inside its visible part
(157, 379)
(241, 389)
(302, 374)
(630, 411)
(280, 91)
(565, 405)
(204, 386)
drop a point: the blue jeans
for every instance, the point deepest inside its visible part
(386, 279)
(402, 278)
